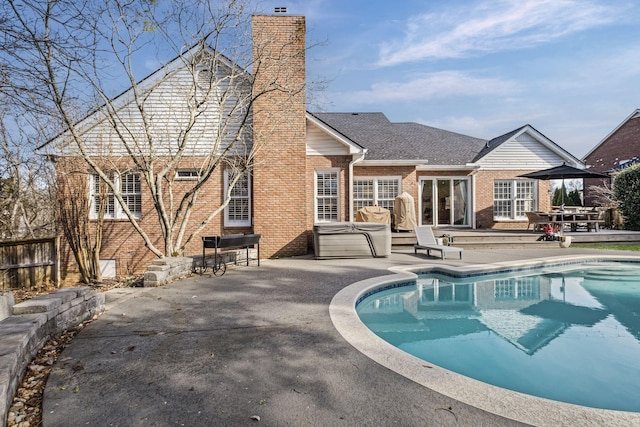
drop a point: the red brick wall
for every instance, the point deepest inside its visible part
(623, 144)
(279, 180)
(122, 243)
(484, 199)
(280, 175)
(409, 178)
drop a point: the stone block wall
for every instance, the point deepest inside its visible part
(166, 270)
(27, 326)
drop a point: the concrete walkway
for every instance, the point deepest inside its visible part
(257, 342)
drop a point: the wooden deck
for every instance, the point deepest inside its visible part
(468, 238)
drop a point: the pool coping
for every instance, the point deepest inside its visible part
(506, 403)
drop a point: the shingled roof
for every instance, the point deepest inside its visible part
(385, 140)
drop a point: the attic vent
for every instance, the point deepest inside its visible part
(205, 78)
(280, 10)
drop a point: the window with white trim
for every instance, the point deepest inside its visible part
(238, 211)
(512, 199)
(327, 195)
(376, 191)
(187, 174)
(101, 196)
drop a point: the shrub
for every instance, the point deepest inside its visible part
(627, 190)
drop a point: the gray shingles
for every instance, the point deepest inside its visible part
(385, 140)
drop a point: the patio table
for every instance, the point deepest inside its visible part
(561, 218)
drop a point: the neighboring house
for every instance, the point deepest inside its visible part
(617, 151)
(318, 167)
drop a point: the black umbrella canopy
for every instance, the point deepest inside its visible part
(563, 172)
(566, 313)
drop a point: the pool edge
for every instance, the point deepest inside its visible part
(506, 403)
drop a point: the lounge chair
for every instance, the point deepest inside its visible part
(426, 240)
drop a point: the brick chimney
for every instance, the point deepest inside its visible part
(279, 129)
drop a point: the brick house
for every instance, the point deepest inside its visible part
(456, 180)
(316, 167)
(617, 151)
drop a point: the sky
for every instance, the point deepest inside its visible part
(569, 68)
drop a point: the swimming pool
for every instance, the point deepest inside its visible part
(507, 326)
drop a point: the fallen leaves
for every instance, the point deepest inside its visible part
(26, 407)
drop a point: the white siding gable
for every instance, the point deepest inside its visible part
(523, 151)
(174, 106)
(319, 143)
(323, 142)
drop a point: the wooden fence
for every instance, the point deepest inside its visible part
(29, 263)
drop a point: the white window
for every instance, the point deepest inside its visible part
(238, 211)
(513, 198)
(187, 174)
(523, 288)
(101, 196)
(327, 196)
(379, 191)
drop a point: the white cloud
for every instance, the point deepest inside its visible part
(437, 85)
(493, 26)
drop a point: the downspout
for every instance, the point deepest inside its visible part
(351, 164)
(473, 199)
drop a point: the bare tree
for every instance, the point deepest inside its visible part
(24, 195)
(195, 112)
(603, 195)
(83, 235)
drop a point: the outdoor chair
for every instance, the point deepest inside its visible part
(537, 220)
(426, 240)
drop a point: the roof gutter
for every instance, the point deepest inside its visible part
(359, 159)
(469, 166)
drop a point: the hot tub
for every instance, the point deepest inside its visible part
(351, 240)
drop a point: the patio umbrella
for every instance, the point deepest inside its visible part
(563, 172)
(566, 313)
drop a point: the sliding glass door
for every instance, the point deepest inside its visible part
(444, 201)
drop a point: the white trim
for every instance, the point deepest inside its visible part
(237, 223)
(474, 223)
(468, 166)
(513, 182)
(470, 179)
(118, 211)
(375, 179)
(567, 157)
(315, 193)
(395, 163)
(353, 147)
(352, 163)
(189, 177)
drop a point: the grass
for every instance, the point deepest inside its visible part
(613, 246)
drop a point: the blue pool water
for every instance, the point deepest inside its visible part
(569, 334)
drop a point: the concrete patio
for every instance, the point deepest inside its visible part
(256, 343)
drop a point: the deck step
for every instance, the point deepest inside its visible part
(516, 239)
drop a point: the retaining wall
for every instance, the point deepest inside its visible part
(27, 326)
(166, 270)
(170, 269)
